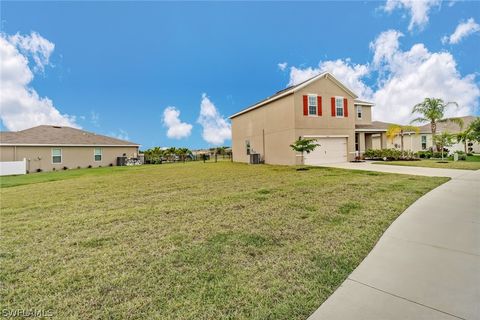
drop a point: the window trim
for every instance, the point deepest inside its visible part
(61, 156)
(421, 142)
(316, 105)
(94, 154)
(336, 107)
(357, 108)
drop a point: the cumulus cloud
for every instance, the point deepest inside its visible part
(418, 9)
(404, 79)
(176, 128)
(348, 73)
(121, 134)
(20, 105)
(464, 29)
(282, 66)
(216, 129)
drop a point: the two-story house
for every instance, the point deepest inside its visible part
(320, 108)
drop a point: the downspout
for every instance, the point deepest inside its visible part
(14, 153)
(263, 143)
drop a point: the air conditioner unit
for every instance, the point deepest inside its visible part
(254, 158)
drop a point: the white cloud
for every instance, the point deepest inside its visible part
(20, 105)
(385, 46)
(418, 9)
(348, 73)
(95, 118)
(464, 29)
(404, 79)
(121, 134)
(216, 129)
(176, 128)
(282, 66)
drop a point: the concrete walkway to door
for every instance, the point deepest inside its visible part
(426, 265)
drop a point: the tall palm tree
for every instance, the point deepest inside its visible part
(399, 130)
(433, 110)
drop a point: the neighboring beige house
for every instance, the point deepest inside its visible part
(423, 140)
(55, 147)
(321, 108)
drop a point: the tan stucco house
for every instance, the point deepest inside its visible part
(321, 108)
(48, 148)
(423, 140)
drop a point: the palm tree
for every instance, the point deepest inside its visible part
(399, 130)
(171, 153)
(444, 139)
(432, 110)
(463, 137)
(183, 153)
(304, 145)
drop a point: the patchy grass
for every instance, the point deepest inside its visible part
(472, 163)
(191, 241)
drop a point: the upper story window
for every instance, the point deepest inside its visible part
(339, 106)
(56, 155)
(97, 154)
(312, 105)
(359, 112)
(424, 142)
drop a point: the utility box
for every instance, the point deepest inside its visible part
(121, 161)
(254, 158)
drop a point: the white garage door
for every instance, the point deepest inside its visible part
(330, 150)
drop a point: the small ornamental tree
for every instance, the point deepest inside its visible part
(443, 140)
(303, 145)
(399, 130)
(474, 130)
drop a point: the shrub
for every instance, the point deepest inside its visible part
(461, 155)
(39, 170)
(437, 155)
(388, 154)
(110, 165)
(424, 154)
(89, 166)
(65, 168)
(78, 167)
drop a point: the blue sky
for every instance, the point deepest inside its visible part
(117, 66)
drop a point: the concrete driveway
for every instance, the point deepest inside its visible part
(426, 265)
(419, 171)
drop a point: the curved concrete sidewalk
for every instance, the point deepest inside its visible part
(426, 265)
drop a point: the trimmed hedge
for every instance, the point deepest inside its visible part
(389, 154)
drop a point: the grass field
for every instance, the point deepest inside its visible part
(472, 163)
(191, 241)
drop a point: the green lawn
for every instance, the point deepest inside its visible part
(191, 241)
(472, 163)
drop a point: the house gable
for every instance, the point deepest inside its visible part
(296, 88)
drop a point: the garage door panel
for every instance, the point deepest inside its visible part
(330, 150)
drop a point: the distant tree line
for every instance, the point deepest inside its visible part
(157, 155)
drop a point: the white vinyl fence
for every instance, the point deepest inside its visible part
(13, 167)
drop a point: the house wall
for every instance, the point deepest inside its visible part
(72, 157)
(325, 125)
(366, 115)
(414, 143)
(270, 130)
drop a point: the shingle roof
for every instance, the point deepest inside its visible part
(58, 135)
(375, 125)
(448, 126)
